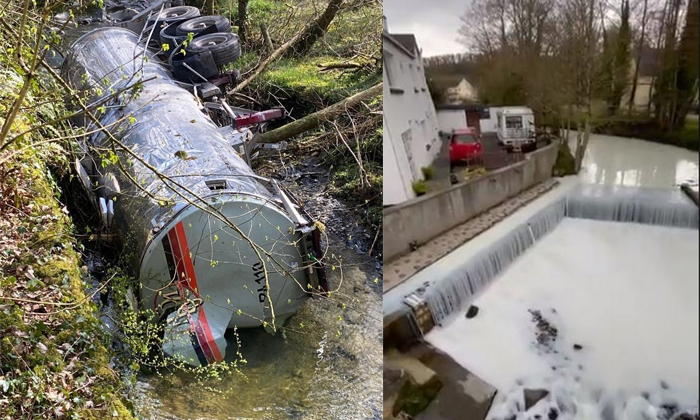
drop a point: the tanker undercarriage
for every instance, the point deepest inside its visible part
(166, 162)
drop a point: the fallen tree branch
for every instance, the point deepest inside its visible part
(323, 68)
(313, 120)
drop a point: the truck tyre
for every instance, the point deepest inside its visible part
(208, 24)
(168, 36)
(224, 47)
(174, 15)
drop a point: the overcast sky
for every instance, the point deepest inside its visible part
(433, 22)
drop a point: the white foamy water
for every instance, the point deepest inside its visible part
(609, 160)
(626, 293)
(637, 163)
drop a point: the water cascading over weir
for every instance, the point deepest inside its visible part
(455, 290)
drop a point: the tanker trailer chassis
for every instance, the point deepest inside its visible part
(213, 245)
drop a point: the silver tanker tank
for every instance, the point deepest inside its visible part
(198, 274)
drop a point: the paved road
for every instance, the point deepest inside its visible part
(490, 143)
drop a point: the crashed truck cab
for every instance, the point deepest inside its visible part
(214, 245)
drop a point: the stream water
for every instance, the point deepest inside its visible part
(326, 369)
(625, 294)
(627, 162)
(326, 365)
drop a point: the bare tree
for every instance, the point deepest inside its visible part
(637, 62)
(676, 82)
(242, 20)
(616, 56)
(316, 29)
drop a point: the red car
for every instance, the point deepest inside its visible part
(465, 146)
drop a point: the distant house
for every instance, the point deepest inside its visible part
(463, 92)
(648, 69)
(411, 138)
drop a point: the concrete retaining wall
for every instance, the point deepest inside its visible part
(424, 218)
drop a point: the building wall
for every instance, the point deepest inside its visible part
(449, 119)
(642, 95)
(396, 185)
(489, 125)
(426, 217)
(410, 123)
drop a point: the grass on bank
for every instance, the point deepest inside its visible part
(301, 86)
(54, 355)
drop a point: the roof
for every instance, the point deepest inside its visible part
(468, 106)
(390, 37)
(408, 41)
(516, 110)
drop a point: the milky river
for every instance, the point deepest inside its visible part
(622, 297)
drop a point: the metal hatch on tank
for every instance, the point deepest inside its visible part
(213, 244)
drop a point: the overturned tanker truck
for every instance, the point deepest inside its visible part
(214, 245)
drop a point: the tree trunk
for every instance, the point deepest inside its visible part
(621, 61)
(665, 89)
(677, 81)
(209, 9)
(315, 30)
(242, 21)
(687, 75)
(312, 121)
(266, 37)
(640, 49)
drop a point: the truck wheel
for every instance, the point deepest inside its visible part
(168, 36)
(224, 47)
(203, 23)
(176, 15)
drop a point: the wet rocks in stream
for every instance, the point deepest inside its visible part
(472, 312)
(546, 332)
(311, 182)
(533, 396)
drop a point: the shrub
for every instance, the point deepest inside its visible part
(565, 163)
(420, 187)
(428, 172)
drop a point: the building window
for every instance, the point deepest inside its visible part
(406, 138)
(514, 122)
(388, 60)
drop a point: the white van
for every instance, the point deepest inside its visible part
(515, 126)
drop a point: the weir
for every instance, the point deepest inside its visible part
(449, 295)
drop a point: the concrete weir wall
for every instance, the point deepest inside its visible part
(453, 290)
(422, 219)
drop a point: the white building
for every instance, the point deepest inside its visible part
(411, 138)
(490, 124)
(463, 92)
